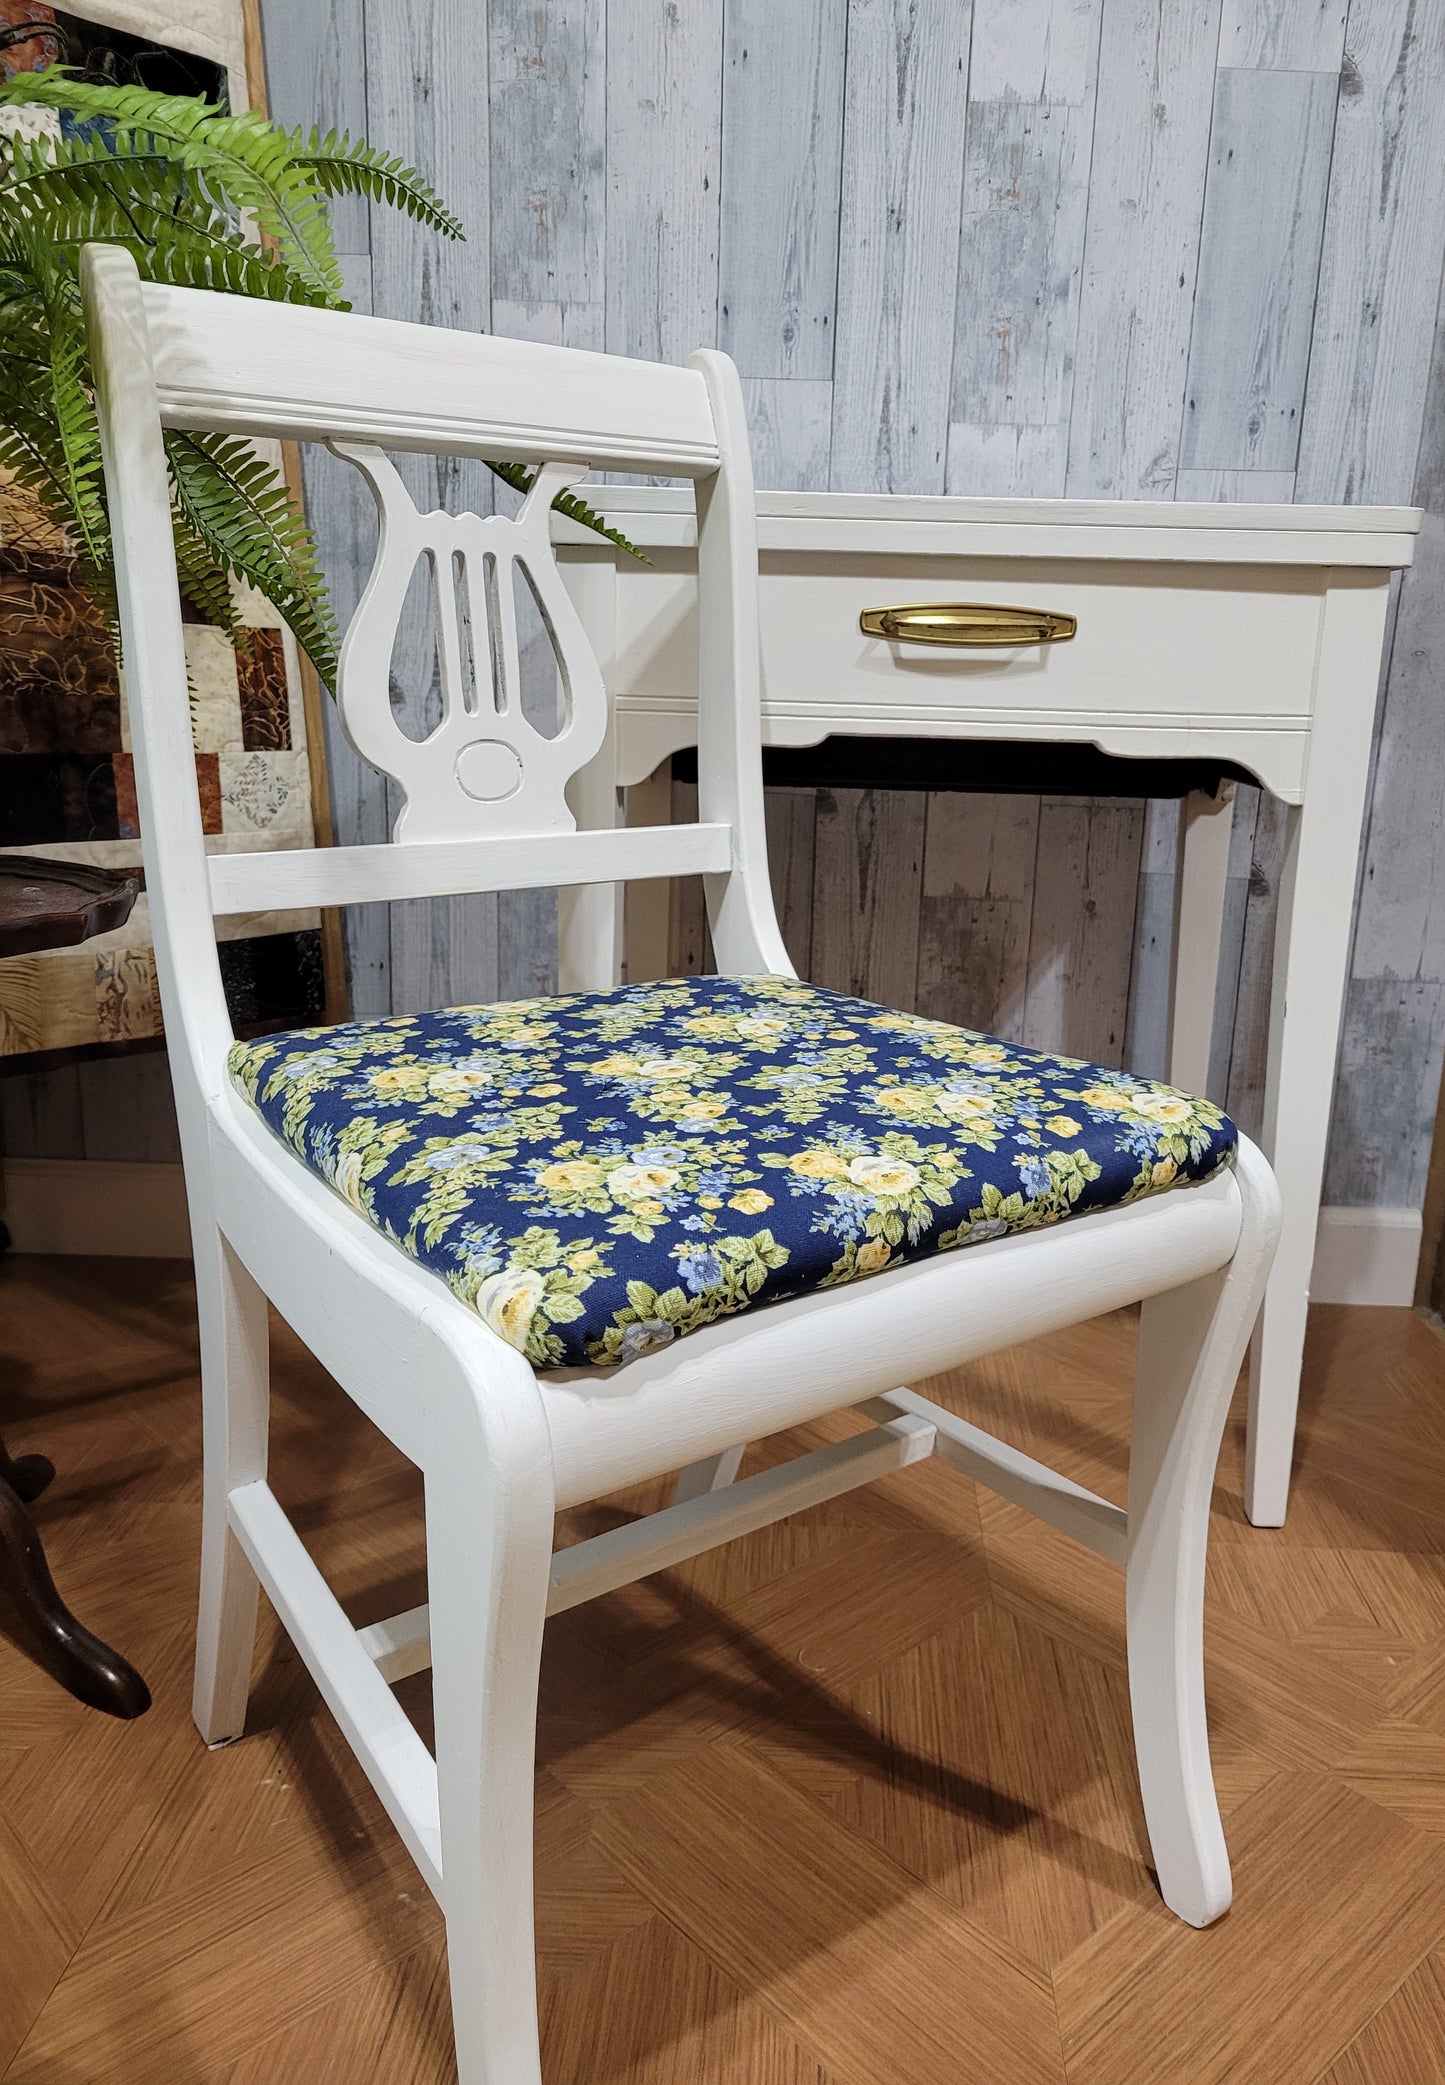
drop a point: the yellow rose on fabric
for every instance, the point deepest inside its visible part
(965, 1107)
(759, 1025)
(1164, 1172)
(703, 1110)
(901, 1100)
(883, 1176)
(873, 1255)
(508, 1302)
(580, 1261)
(553, 1086)
(818, 1165)
(570, 1176)
(1062, 1126)
(347, 1178)
(394, 1078)
(987, 1053)
(633, 1182)
(751, 1200)
(666, 1068)
(1163, 1107)
(618, 1066)
(454, 1082)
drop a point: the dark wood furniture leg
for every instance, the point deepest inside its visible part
(90, 1669)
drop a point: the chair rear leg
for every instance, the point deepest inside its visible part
(1192, 1342)
(489, 1520)
(235, 1396)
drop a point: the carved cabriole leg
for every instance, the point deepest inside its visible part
(235, 1399)
(88, 1668)
(489, 1514)
(1191, 1344)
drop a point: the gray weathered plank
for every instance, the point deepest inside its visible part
(1025, 206)
(1082, 930)
(445, 954)
(548, 96)
(1291, 35)
(791, 821)
(1156, 84)
(664, 132)
(316, 74)
(978, 888)
(782, 144)
(689, 942)
(1250, 1044)
(867, 876)
(906, 100)
(1380, 262)
(1265, 487)
(40, 1113)
(790, 420)
(1146, 1038)
(126, 1108)
(1384, 1102)
(1253, 302)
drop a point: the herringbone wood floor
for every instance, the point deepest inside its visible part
(848, 1804)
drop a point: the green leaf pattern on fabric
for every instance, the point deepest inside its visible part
(598, 1175)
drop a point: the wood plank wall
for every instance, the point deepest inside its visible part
(1114, 248)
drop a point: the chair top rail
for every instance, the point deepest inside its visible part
(233, 364)
(295, 878)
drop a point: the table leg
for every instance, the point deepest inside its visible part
(1205, 824)
(647, 906)
(88, 1668)
(1311, 957)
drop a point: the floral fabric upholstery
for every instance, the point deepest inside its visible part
(599, 1174)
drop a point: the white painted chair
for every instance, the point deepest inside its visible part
(502, 1448)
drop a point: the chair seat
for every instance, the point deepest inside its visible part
(600, 1174)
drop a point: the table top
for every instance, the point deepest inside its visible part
(1170, 531)
(54, 904)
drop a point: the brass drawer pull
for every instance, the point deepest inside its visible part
(967, 623)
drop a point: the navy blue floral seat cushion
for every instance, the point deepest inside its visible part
(600, 1174)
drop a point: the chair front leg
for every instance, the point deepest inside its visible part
(236, 1403)
(1192, 1343)
(489, 1524)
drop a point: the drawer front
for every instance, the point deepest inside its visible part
(1176, 646)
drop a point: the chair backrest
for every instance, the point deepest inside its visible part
(484, 803)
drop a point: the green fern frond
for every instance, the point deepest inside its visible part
(242, 159)
(344, 165)
(243, 514)
(521, 479)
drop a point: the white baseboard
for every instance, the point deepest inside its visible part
(110, 1208)
(1366, 1256)
(105, 1207)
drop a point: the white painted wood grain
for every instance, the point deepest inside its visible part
(1082, 929)
(664, 155)
(906, 103)
(1254, 295)
(1265, 487)
(1156, 86)
(1025, 205)
(547, 96)
(1380, 263)
(790, 420)
(1290, 35)
(782, 146)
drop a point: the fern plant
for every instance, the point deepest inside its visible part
(179, 182)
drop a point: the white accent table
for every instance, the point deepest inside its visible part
(1248, 634)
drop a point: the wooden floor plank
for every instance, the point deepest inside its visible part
(849, 1803)
(1341, 1896)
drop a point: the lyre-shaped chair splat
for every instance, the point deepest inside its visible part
(485, 768)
